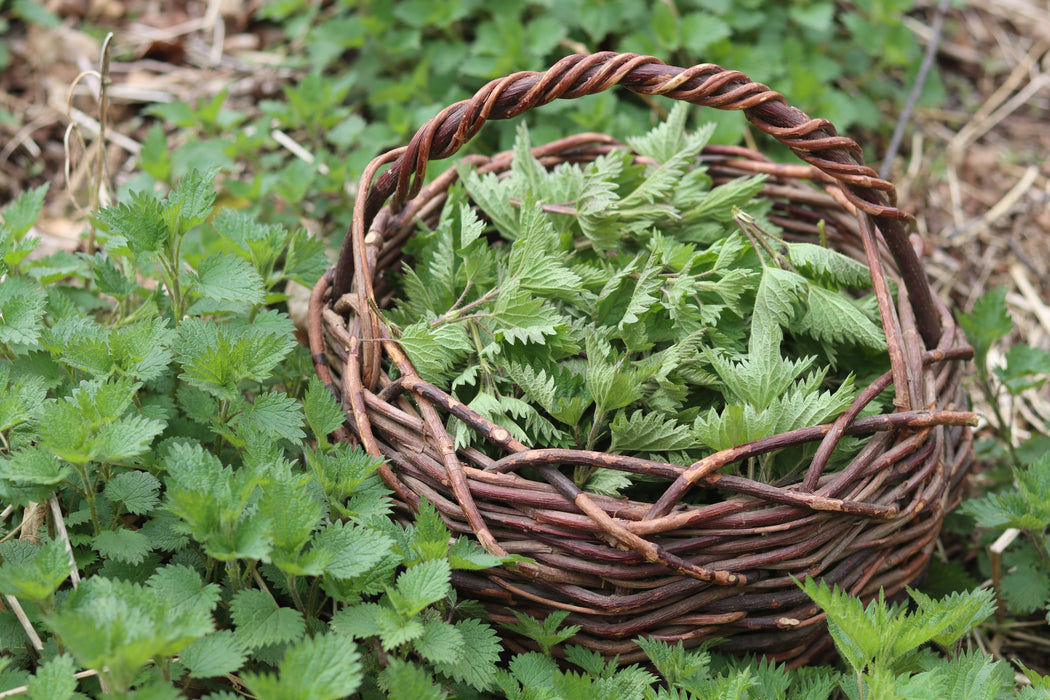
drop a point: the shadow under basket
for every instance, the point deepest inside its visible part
(666, 569)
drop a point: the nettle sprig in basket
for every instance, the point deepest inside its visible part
(675, 378)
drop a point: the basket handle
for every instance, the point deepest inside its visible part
(815, 141)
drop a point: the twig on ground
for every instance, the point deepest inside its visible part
(916, 88)
(60, 526)
(23, 619)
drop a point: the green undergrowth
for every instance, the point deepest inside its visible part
(367, 74)
(188, 528)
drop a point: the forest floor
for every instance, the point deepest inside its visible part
(976, 171)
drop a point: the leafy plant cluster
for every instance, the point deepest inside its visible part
(1021, 502)
(370, 73)
(634, 308)
(841, 60)
(182, 528)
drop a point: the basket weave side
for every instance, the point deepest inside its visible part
(667, 569)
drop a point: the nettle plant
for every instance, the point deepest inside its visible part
(185, 517)
(188, 528)
(645, 312)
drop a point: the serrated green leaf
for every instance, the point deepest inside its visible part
(1026, 368)
(181, 591)
(226, 277)
(466, 553)
(53, 680)
(434, 350)
(357, 621)
(323, 412)
(353, 550)
(216, 654)
(275, 414)
(420, 585)
(648, 432)
(143, 349)
(323, 667)
(520, 317)
(33, 571)
(33, 465)
(191, 200)
(137, 226)
(476, 665)
(988, 322)
(547, 633)
(125, 545)
(393, 630)
(260, 621)
(833, 319)
(20, 398)
(293, 512)
(218, 358)
(828, 267)
(139, 492)
(21, 310)
(126, 437)
(402, 680)
(19, 216)
(441, 642)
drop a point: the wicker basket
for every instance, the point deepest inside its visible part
(666, 569)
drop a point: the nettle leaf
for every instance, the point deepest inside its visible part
(434, 350)
(21, 310)
(138, 492)
(988, 322)
(520, 317)
(226, 277)
(648, 432)
(350, 550)
(1026, 368)
(193, 197)
(53, 680)
(33, 465)
(476, 665)
(124, 545)
(293, 512)
(778, 303)
(181, 590)
(19, 216)
(259, 621)
(835, 320)
(547, 633)
(142, 349)
(441, 642)
(403, 680)
(467, 554)
(394, 630)
(322, 667)
(828, 267)
(420, 585)
(322, 410)
(116, 627)
(89, 424)
(217, 358)
(20, 399)
(33, 571)
(138, 226)
(719, 202)
(491, 195)
(216, 654)
(273, 413)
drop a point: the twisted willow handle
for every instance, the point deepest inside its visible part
(813, 140)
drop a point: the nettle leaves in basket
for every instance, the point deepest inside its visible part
(630, 303)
